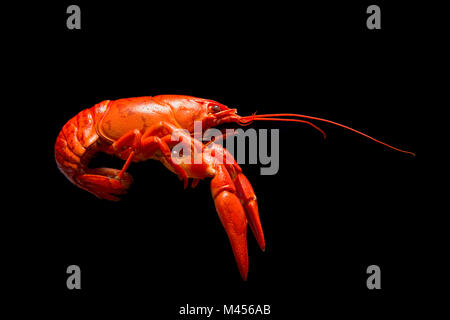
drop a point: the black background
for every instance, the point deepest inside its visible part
(335, 207)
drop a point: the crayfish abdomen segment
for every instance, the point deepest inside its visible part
(75, 146)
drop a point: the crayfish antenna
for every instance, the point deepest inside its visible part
(270, 117)
(245, 122)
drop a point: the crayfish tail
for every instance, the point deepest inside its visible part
(105, 183)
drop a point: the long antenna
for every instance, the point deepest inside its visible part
(267, 117)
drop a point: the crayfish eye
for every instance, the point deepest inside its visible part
(216, 108)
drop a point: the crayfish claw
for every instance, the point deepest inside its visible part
(232, 215)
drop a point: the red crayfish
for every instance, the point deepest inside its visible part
(138, 129)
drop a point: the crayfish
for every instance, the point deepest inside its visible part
(138, 129)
